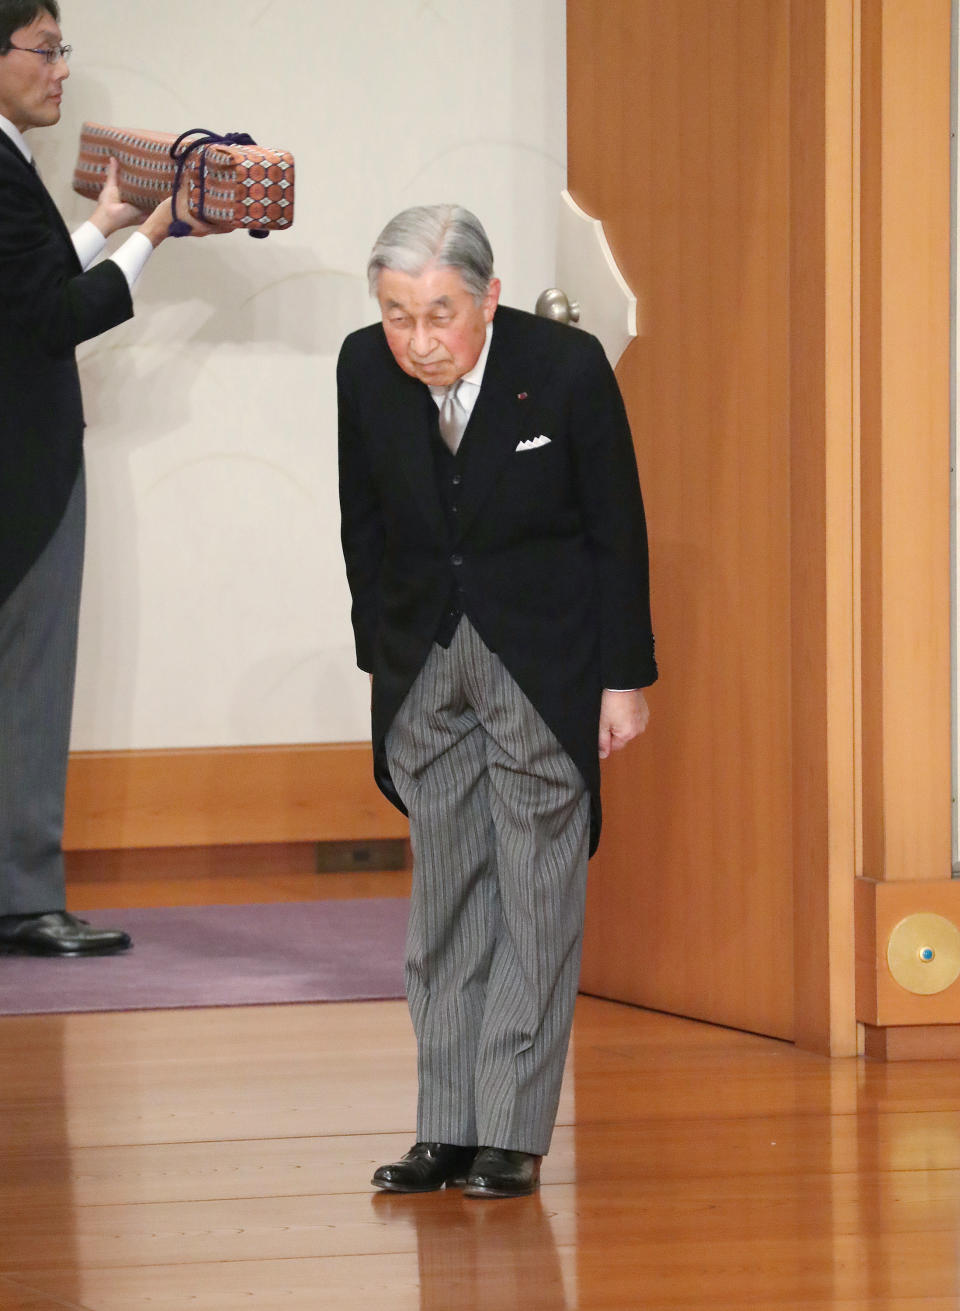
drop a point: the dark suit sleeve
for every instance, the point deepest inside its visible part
(361, 523)
(46, 294)
(614, 520)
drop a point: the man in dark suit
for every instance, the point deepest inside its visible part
(495, 544)
(50, 301)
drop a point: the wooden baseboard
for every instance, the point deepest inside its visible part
(223, 796)
(265, 860)
(246, 874)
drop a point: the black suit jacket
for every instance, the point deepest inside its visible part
(551, 549)
(48, 305)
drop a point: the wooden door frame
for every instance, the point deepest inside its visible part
(825, 556)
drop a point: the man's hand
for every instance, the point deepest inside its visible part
(156, 227)
(111, 212)
(623, 716)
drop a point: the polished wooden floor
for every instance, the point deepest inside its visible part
(218, 1160)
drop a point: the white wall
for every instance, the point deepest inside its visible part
(215, 608)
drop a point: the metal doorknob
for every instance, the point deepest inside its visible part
(554, 304)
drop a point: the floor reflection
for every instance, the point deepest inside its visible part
(486, 1254)
(37, 1180)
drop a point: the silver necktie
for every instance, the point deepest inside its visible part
(453, 417)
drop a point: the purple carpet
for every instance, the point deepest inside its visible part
(222, 956)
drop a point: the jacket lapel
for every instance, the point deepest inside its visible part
(407, 411)
(53, 214)
(500, 416)
(28, 169)
(7, 144)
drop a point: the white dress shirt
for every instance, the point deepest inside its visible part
(470, 382)
(88, 240)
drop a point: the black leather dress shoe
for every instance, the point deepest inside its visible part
(425, 1168)
(499, 1173)
(57, 933)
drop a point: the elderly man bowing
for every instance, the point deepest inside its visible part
(496, 550)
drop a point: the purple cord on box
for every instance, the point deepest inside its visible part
(179, 227)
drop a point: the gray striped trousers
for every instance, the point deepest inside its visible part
(499, 820)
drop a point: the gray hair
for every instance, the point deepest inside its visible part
(448, 235)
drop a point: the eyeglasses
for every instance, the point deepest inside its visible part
(51, 54)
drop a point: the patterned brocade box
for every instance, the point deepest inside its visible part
(236, 185)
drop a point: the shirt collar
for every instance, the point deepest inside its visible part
(475, 375)
(16, 136)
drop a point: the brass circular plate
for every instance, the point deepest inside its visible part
(923, 953)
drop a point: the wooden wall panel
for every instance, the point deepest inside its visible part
(774, 178)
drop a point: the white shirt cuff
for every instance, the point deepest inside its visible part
(88, 241)
(132, 256)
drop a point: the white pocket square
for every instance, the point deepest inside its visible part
(532, 443)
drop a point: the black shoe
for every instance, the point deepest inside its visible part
(57, 933)
(425, 1168)
(500, 1173)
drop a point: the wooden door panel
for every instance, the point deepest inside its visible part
(679, 140)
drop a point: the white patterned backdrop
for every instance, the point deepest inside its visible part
(215, 608)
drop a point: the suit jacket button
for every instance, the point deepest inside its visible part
(456, 560)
